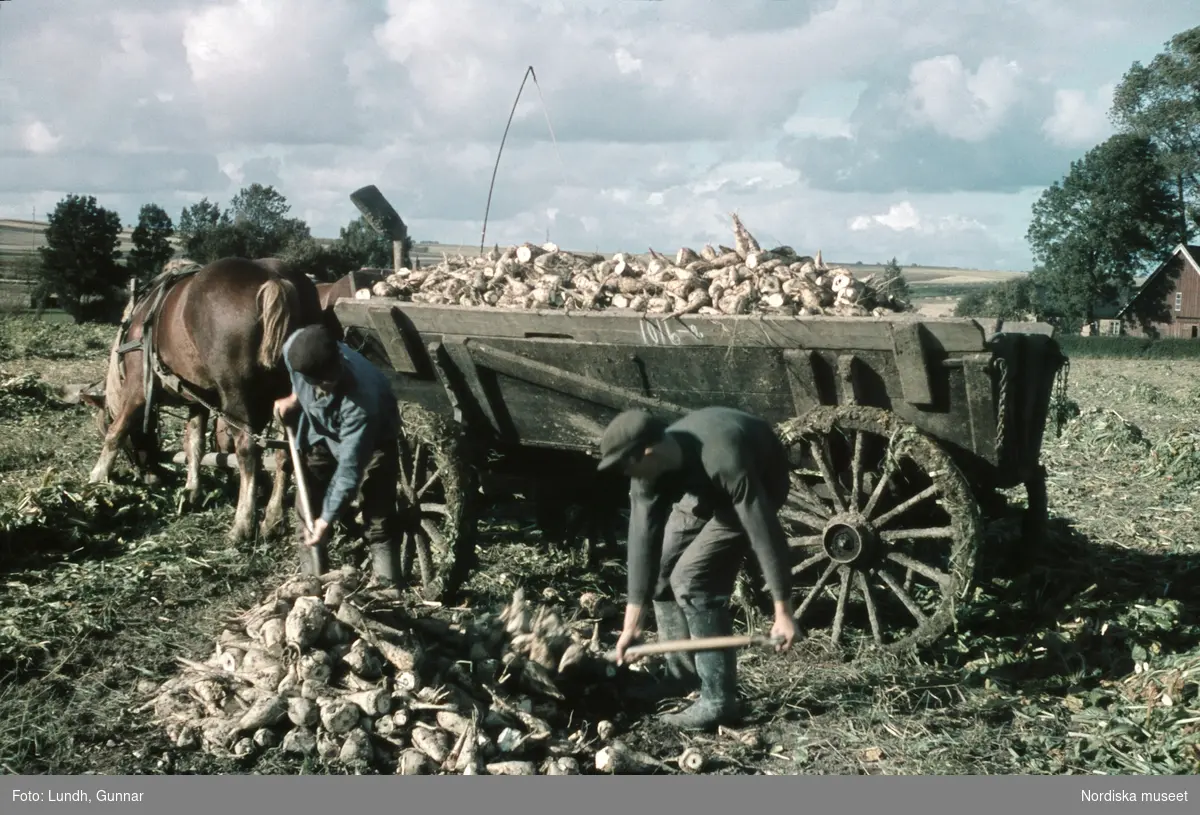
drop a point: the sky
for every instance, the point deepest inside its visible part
(867, 129)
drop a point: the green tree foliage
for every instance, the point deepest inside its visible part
(260, 217)
(79, 261)
(151, 243)
(325, 263)
(1110, 216)
(370, 247)
(893, 282)
(206, 233)
(357, 246)
(1161, 101)
(1015, 299)
(256, 225)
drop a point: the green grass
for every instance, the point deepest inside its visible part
(1059, 665)
(1127, 347)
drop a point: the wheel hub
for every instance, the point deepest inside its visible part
(848, 539)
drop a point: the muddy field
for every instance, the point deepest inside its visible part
(1084, 658)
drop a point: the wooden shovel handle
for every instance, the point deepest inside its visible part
(301, 485)
(697, 644)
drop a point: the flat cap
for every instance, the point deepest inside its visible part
(313, 352)
(630, 430)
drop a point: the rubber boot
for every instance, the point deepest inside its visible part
(385, 563)
(671, 624)
(717, 670)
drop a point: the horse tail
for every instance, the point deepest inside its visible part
(112, 381)
(278, 300)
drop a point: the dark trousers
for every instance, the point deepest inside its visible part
(701, 554)
(377, 494)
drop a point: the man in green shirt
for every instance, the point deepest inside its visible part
(703, 490)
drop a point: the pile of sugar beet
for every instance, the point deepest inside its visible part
(329, 667)
(722, 280)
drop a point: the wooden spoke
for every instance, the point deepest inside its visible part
(803, 494)
(892, 535)
(809, 520)
(914, 565)
(809, 562)
(877, 493)
(821, 581)
(818, 450)
(904, 596)
(905, 506)
(856, 470)
(805, 542)
(869, 602)
(429, 482)
(839, 617)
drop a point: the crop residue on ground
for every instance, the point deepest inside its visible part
(1081, 655)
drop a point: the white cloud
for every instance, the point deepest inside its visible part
(1079, 121)
(904, 217)
(37, 138)
(899, 217)
(627, 63)
(958, 103)
(865, 128)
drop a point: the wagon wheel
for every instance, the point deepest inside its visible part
(883, 526)
(438, 495)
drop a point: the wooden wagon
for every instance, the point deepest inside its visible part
(901, 431)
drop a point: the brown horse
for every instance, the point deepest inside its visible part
(220, 331)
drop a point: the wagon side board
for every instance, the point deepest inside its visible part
(551, 379)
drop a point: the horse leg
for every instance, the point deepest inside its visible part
(248, 466)
(273, 519)
(194, 446)
(114, 440)
(241, 424)
(147, 451)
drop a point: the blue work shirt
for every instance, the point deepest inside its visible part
(353, 424)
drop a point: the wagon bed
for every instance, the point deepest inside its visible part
(894, 419)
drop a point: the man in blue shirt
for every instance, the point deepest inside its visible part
(347, 430)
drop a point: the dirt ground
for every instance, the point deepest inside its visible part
(1081, 657)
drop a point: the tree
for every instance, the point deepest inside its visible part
(206, 233)
(1112, 214)
(260, 216)
(1161, 101)
(254, 226)
(325, 263)
(369, 247)
(974, 304)
(151, 243)
(79, 260)
(893, 281)
(1014, 299)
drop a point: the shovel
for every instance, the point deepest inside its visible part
(316, 554)
(696, 644)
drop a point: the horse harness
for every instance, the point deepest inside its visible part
(152, 365)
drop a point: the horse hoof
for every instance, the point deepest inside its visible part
(239, 534)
